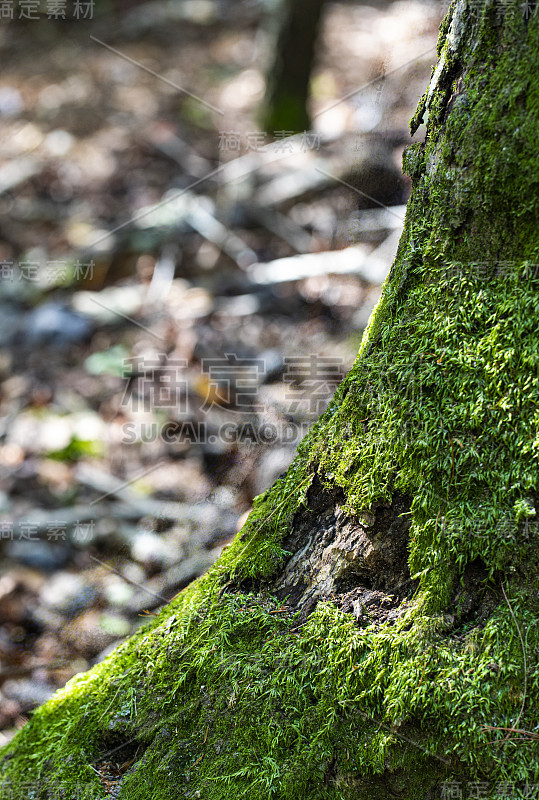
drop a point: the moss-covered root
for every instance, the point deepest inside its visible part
(232, 692)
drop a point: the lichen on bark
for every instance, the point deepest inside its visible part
(343, 685)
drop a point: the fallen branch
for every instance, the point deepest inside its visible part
(372, 266)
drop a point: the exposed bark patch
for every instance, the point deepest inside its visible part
(359, 563)
(458, 98)
(473, 601)
(370, 606)
(119, 759)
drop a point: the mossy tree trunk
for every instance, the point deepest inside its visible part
(370, 633)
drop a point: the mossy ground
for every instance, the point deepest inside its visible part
(228, 693)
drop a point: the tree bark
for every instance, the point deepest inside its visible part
(371, 632)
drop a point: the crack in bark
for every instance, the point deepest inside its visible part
(360, 563)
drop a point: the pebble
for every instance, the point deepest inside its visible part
(45, 556)
(68, 593)
(55, 324)
(28, 693)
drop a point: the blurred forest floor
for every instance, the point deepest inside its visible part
(163, 271)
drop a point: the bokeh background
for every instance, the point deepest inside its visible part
(200, 200)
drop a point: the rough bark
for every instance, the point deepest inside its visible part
(370, 633)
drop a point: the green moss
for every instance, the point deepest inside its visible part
(228, 693)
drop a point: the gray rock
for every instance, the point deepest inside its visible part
(68, 593)
(56, 324)
(27, 692)
(45, 556)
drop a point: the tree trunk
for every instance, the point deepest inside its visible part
(285, 104)
(370, 633)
